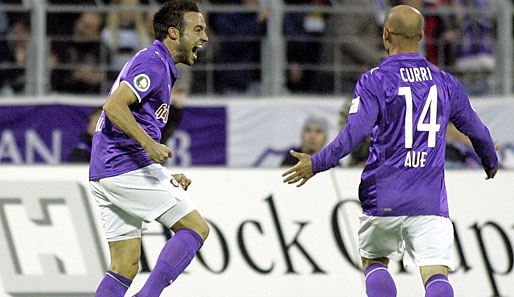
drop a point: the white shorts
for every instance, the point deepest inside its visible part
(129, 200)
(428, 240)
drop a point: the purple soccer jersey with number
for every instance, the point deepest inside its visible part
(150, 74)
(405, 104)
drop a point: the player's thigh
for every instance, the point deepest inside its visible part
(125, 251)
(430, 270)
(428, 241)
(125, 255)
(117, 223)
(145, 193)
(380, 237)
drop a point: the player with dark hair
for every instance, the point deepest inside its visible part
(129, 184)
(405, 104)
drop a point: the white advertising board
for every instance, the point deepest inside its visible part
(267, 238)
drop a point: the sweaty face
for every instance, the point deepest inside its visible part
(313, 139)
(192, 37)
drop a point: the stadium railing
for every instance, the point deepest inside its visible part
(272, 70)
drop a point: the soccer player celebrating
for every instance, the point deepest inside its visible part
(129, 184)
(405, 104)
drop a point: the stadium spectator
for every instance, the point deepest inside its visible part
(459, 151)
(302, 53)
(82, 152)
(125, 33)
(240, 44)
(77, 62)
(179, 94)
(360, 154)
(475, 53)
(355, 38)
(15, 57)
(314, 137)
(61, 23)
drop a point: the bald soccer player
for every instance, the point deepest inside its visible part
(405, 104)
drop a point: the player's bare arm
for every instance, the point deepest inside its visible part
(117, 110)
(302, 171)
(182, 180)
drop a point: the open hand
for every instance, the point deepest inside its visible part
(301, 171)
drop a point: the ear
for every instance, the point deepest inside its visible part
(386, 33)
(173, 33)
(422, 35)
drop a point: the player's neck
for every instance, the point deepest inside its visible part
(393, 50)
(168, 43)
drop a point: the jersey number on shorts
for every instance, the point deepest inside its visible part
(432, 127)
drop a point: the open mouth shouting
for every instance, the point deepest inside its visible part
(195, 50)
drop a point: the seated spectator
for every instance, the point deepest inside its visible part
(82, 152)
(459, 152)
(475, 53)
(360, 154)
(314, 137)
(125, 34)
(178, 95)
(234, 50)
(355, 43)
(301, 53)
(14, 58)
(77, 62)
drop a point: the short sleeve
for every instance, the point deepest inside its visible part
(144, 75)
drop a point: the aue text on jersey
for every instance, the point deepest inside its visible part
(415, 159)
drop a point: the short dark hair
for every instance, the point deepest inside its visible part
(171, 14)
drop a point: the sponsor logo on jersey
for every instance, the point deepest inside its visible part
(162, 112)
(142, 82)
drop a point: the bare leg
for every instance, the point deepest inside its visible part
(125, 256)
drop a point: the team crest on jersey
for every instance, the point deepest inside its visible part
(142, 82)
(162, 112)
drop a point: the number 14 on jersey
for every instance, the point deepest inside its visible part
(413, 158)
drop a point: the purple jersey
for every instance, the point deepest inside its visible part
(406, 104)
(150, 74)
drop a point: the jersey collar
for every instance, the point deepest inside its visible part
(167, 56)
(398, 57)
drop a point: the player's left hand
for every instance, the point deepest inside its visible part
(301, 171)
(182, 180)
(492, 172)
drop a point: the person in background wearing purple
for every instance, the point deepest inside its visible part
(405, 104)
(127, 180)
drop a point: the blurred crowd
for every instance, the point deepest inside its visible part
(327, 47)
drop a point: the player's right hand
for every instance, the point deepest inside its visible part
(302, 171)
(158, 152)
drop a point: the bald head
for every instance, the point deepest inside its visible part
(405, 21)
(403, 29)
